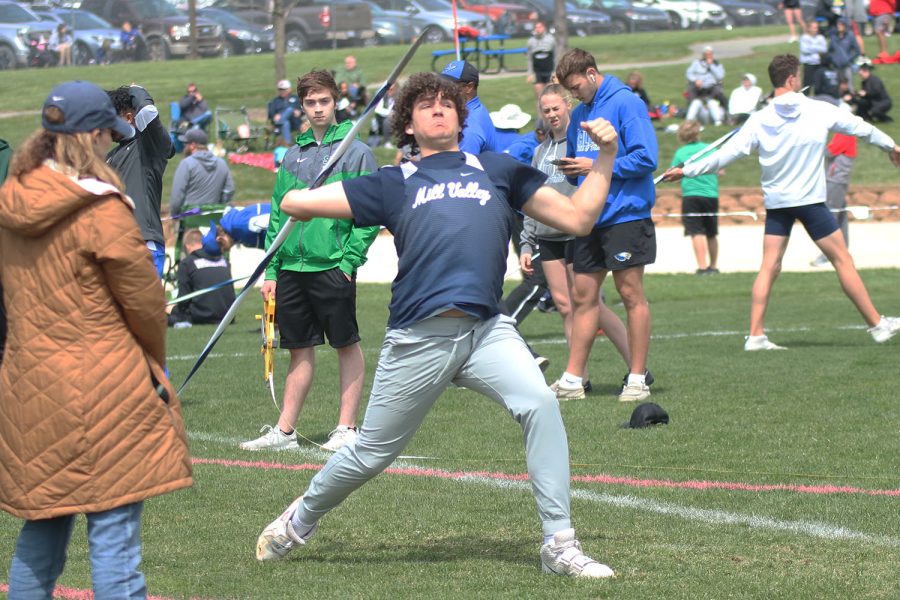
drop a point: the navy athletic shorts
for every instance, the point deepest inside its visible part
(554, 250)
(309, 306)
(816, 219)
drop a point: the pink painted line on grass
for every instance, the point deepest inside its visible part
(605, 479)
(65, 593)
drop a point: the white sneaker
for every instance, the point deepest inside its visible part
(563, 392)
(760, 342)
(279, 536)
(634, 392)
(271, 439)
(340, 437)
(887, 328)
(563, 556)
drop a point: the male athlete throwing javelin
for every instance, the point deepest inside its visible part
(450, 214)
(790, 135)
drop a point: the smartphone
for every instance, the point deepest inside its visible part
(559, 161)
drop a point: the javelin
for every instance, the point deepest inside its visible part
(211, 288)
(319, 180)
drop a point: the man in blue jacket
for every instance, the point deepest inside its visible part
(479, 133)
(623, 239)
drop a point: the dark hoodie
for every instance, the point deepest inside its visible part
(201, 178)
(631, 191)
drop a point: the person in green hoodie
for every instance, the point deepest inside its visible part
(315, 270)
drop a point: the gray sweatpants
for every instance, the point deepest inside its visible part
(836, 198)
(415, 366)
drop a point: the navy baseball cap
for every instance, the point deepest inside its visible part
(210, 245)
(461, 71)
(85, 107)
(647, 414)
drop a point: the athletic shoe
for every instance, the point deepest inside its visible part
(760, 342)
(887, 328)
(279, 536)
(563, 556)
(542, 362)
(634, 392)
(271, 439)
(564, 392)
(588, 387)
(340, 437)
(712, 271)
(648, 378)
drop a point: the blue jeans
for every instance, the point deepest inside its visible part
(114, 540)
(284, 125)
(158, 252)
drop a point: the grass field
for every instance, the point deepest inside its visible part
(818, 422)
(249, 81)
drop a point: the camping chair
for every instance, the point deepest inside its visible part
(200, 217)
(235, 131)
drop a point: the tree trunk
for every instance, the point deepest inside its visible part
(279, 12)
(561, 28)
(192, 15)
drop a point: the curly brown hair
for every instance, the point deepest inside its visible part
(425, 86)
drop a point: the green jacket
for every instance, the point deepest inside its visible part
(319, 244)
(5, 154)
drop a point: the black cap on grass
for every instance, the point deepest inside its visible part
(647, 414)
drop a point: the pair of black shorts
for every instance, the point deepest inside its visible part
(791, 4)
(555, 250)
(614, 248)
(708, 224)
(310, 306)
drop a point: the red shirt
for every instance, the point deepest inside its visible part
(882, 7)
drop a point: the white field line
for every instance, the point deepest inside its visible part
(688, 513)
(561, 340)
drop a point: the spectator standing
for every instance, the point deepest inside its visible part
(90, 422)
(203, 266)
(840, 154)
(353, 76)
(872, 101)
(856, 13)
(813, 47)
(479, 134)
(882, 12)
(314, 272)
(790, 135)
(623, 239)
(285, 113)
(507, 122)
(792, 14)
(744, 99)
(201, 178)
(843, 51)
(541, 47)
(141, 161)
(194, 110)
(699, 202)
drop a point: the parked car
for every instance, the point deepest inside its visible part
(394, 26)
(20, 31)
(749, 13)
(90, 33)
(685, 14)
(166, 30)
(440, 14)
(310, 23)
(241, 36)
(580, 21)
(627, 17)
(512, 19)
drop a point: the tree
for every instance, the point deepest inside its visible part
(279, 13)
(192, 16)
(561, 28)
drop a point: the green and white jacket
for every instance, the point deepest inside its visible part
(319, 244)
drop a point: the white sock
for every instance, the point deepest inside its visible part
(634, 379)
(570, 380)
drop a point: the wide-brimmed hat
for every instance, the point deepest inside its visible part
(84, 107)
(510, 116)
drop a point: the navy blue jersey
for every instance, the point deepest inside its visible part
(450, 214)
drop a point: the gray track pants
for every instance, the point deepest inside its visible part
(415, 366)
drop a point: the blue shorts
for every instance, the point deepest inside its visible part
(158, 252)
(816, 219)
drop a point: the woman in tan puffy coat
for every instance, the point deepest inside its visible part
(88, 421)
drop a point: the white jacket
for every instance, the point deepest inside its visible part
(790, 134)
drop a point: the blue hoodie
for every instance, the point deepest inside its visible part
(631, 192)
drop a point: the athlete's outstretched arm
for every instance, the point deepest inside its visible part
(577, 215)
(326, 201)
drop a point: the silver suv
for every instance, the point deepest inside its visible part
(20, 30)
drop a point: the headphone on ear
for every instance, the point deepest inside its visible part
(593, 79)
